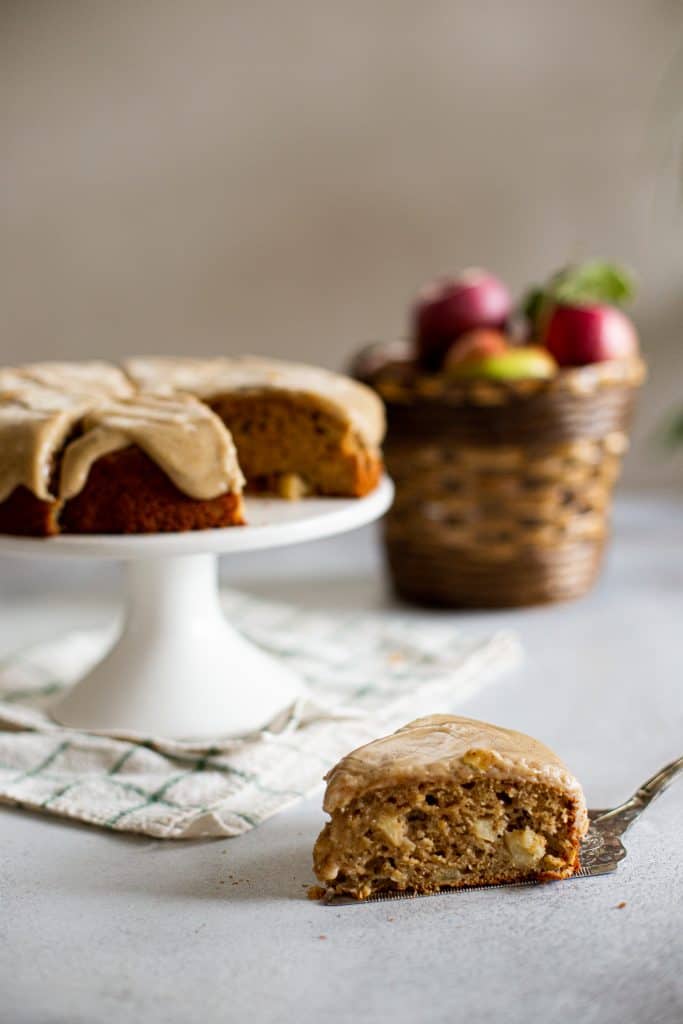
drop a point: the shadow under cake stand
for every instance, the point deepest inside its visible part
(178, 668)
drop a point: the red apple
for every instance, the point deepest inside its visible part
(577, 335)
(450, 306)
(483, 341)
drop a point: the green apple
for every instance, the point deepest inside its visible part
(525, 362)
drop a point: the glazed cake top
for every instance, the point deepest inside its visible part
(94, 378)
(211, 379)
(449, 749)
(184, 437)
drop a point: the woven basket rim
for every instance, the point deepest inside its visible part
(439, 388)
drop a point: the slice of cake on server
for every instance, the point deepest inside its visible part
(448, 802)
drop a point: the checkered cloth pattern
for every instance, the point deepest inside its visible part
(364, 674)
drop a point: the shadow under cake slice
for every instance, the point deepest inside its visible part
(448, 802)
(298, 429)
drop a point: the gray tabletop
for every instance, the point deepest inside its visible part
(98, 927)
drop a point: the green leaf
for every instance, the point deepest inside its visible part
(592, 282)
(673, 432)
(532, 303)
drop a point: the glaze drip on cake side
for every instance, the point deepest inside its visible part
(34, 426)
(180, 434)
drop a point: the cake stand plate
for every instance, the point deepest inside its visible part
(178, 668)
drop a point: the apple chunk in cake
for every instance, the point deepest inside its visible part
(448, 802)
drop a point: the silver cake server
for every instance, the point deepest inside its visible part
(601, 850)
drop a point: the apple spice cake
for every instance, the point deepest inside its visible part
(298, 429)
(448, 802)
(68, 461)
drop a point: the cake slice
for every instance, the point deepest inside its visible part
(448, 802)
(150, 464)
(298, 429)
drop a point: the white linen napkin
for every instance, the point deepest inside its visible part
(365, 673)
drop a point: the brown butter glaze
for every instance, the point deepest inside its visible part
(349, 401)
(94, 378)
(448, 748)
(182, 436)
(34, 425)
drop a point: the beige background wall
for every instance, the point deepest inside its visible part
(280, 176)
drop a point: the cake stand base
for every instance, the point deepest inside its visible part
(178, 668)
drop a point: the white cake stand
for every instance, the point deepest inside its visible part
(178, 668)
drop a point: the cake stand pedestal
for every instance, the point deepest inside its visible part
(178, 668)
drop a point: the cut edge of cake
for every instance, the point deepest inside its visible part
(299, 429)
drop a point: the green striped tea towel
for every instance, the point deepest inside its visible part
(365, 673)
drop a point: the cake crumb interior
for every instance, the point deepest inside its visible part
(288, 445)
(426, 836)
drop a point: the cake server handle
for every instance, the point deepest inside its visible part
(622, 817)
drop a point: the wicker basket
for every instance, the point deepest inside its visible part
(503, 490)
